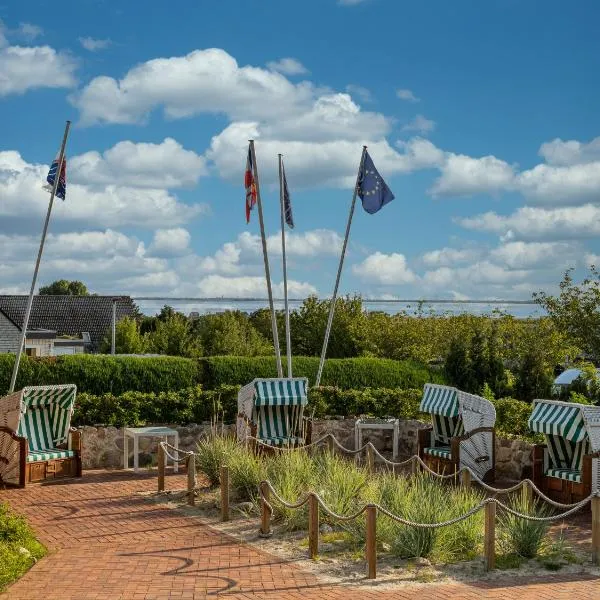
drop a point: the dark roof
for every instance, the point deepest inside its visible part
(68, 315)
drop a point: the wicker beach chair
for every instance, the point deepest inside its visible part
(36, 439)
(462, 432)
(566, 466)
(272, 411)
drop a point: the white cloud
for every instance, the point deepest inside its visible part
(245, 253)
(532, 223)
(561, 154)
(170, 242)
(530, 255)
(288, 66)
(28, 31)
(105, 206)
(360, 92)
(386, 269)
(308, 163)
(407, 95)
(463, 175)
(93, 45)
(420, 124)
(202, 81)
(165, 165)
(446, 257)
(561, 185)
(22, 69)
(245, 287)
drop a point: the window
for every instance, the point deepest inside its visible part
(31, 351)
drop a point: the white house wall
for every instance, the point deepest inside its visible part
(10, 335)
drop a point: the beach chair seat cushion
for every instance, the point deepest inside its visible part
(49, 454)
(566, 474)
(439, 451)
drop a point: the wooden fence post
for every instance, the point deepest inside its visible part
(527, 495)
(370, 459)
(313, 526)
(465, 478)
(490, 536)
(161, 468)
(265, 524)
(191, 479)
(596, 530)
(371, 548)
(414, 466)
(224, 493)
(330, 444)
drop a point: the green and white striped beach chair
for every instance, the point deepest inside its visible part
(462, 432)
(566, 466)
(36, 439)
(272, 410)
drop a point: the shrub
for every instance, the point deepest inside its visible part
(350, 373)
(292, 474)
(521, 536)
(15, 534)
(212, 452)
(99, 374)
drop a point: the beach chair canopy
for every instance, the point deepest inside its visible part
(571, 430)
(42, 415)
(454, 412)
(277, 407)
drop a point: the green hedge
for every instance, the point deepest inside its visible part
(100, 373)
(345, 373)
(194, 405)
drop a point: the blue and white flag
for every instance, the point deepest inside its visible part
(61, 188)
(287, 203)
(372, 189)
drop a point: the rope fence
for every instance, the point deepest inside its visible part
(268, 495)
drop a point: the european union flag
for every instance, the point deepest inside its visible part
(372, 189)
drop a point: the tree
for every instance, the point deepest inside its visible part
(496, 378)
(62, 287)
(479, 361)
(576, 310)
(173, 337)
(231, 332)
(458, 364)
(533, 379)
(128, 339)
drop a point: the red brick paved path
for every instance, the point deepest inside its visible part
(108, 543)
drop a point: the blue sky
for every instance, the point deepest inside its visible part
(481, 117)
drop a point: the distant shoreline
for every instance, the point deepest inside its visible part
(518, 308)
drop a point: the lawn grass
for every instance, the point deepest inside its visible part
(19, 550)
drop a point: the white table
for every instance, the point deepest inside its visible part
(366, 423)
(153, 432)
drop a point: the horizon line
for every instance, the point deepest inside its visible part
(364, 300)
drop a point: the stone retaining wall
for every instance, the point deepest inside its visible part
(103, 446)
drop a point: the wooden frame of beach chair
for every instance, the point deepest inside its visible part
(37, 442)
(566, 467)
(272, 411)
(462, 433)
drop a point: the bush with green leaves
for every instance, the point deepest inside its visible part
(351, 373)
(345, 487)
(16, 534)
(519, 536)
(100, 374)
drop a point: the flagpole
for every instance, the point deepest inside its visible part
(288, 337)
(266, 259)
(61, 157)
(339, 272)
